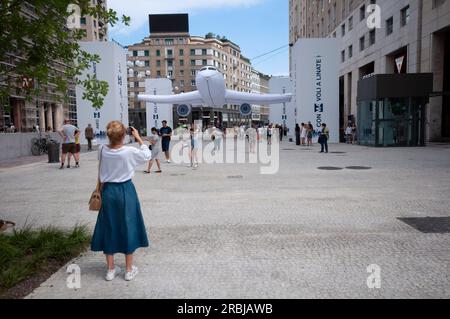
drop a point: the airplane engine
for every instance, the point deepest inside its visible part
(184, 110)
(245, 109)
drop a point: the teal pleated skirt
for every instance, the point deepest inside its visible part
(120, 226)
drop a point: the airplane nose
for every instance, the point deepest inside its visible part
(208, 74)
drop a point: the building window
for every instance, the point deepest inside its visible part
(147, 63)
(135, 53)
(170, 63)
(158, 74)
(204, 62)
(343, 56)
(169, 41)
(362, 44)
(350, 23)
(158, 52)
(204, 52)
(181, 72)
(350, 51)
(181, 62)
(181, 52)
(372, 37)
(136, 84)
(182, 83)
(389, 26)
(362, 13)
(147, 53)
(83, 21)
(193, 72)
(169, 52)
(405, 15)
(193, 83)
(192, 51)
(343, 29)
(193, 62)
(158, 63)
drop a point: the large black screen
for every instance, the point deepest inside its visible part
(168, 23)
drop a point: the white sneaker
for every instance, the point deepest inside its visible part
(111, 274)
(131, 274)
(168, 162)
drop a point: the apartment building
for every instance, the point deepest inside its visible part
(96, 29)
(178, 56)
(413, 37)
(48, 110)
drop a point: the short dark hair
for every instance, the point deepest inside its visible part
(324, 125)
(154, 129)
(164, 121)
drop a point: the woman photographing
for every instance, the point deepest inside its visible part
(120, 226)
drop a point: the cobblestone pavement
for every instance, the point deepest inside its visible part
(302, 233)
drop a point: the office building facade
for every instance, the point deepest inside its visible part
(405, 36)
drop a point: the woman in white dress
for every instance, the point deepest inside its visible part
(303, 134)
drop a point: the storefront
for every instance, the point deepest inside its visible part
(392, 109)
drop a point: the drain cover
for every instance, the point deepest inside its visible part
(235, 177)
(438, 225)
(358, 167)
(288, 149)
(330, 168)
(175, 175)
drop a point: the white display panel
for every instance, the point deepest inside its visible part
(157, 112)
(315, 81)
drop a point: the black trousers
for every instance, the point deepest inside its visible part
(89, 143)
(324, 145)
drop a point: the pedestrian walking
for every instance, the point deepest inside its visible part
(193, 136)
(252, 139)
(310, 133)
(354, 133)
(166, 135)
(324, 136)
(349, 134)
(155, 147)
(67, 134)
(120, 227)
(89, 135)
(77, 149)
(298, 131)
(304, 134)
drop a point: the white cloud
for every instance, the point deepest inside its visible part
(139, 10)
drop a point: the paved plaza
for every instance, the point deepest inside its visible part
(226, 231)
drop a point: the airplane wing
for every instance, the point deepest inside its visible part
(182, 98)
(234, 97)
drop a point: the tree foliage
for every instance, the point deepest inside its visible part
(36, 42)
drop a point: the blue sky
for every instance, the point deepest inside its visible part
(257, 26)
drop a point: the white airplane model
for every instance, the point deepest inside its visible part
(213, 92)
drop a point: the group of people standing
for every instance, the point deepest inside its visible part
(305, 133)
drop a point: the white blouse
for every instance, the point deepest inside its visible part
(118, 165)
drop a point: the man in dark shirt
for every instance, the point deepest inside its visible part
(166, 133)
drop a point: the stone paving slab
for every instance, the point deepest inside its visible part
(302, 233)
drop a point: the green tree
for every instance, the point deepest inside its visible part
(36, 42)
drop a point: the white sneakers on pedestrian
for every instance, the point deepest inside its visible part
(131, 274)
(168, 162)
(111, 274)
